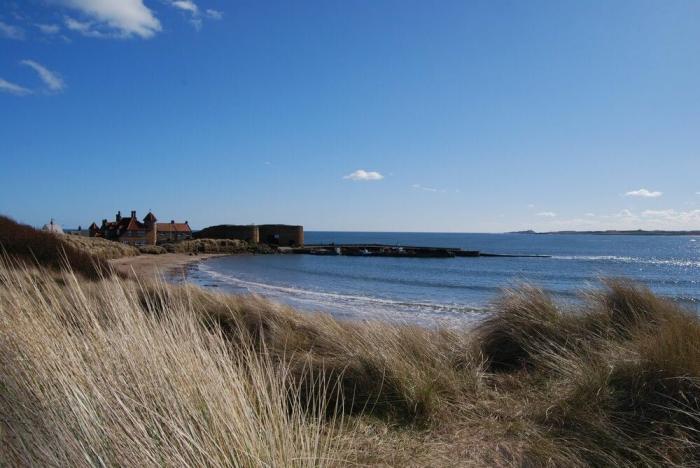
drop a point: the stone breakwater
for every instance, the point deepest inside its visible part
(383, 250)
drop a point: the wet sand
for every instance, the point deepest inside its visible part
(148, 266)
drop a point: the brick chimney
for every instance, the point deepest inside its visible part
(119, 216)
(133, 213)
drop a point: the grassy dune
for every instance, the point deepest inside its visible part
(93, 374)
(31, 246)
(116, 372)
(103, 248)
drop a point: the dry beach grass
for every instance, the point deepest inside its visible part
(92, 375)
(102, 248)
(117, 372)
(113, 371)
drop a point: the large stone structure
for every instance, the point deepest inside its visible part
(248, 233)
(282, 235)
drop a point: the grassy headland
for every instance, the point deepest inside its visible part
(120, 372)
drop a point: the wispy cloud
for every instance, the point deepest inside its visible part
(48, 28)
(12, 88)
(9, 31)
(643, 193)
(187, 5)
(110, 18)
(425, 189)
(52, 80)
(195, 13)
(86, 28)
(214, 14)
(429, 189)
(627, 219)
(547, 214)
(671, 217)
(364, 176)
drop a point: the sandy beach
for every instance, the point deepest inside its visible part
(151, 265)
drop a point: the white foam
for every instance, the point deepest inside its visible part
(352, 305)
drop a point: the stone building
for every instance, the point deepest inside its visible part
(173, 232)
(146, 232)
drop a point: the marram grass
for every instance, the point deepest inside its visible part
(115, 372)
(90, 378)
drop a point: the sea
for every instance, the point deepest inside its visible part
(453, 291)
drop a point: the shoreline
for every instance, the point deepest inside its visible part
(149, 266)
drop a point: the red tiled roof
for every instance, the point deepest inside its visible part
(134, 225)
(173, 227)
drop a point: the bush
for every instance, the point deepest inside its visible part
(152, 249)
(231, 246)
(262, 249)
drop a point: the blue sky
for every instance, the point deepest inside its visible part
(353, 115)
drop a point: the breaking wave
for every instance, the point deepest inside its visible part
(350, 305)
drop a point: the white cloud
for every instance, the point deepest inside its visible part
(112, 18)
(11, 32)
(672, 214)
(666, 219)
(590, 215)
(83, 27)
(214, 14)
(197, 16)
(51, 79)
(425, 189)
(670, 218)
(48, 28)
(430, 189)
(643, 193)
(625, 214)
(187, 5)
(17, 90)
(362, 175)
(197, 23)
(547, 214)
(697, 193)
(658, 213)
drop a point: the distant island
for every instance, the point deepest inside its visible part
(613, 232)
